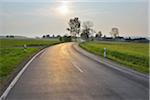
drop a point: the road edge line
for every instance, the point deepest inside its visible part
(130, 73)
(14, 81)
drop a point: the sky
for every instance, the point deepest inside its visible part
(38, 17)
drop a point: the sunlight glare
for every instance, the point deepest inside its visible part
(63, 8)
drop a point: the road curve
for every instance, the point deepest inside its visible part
(62, 73)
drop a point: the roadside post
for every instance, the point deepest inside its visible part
(24, 47)
(105, 52)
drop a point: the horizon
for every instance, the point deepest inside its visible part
(51, 35)
(36, 18)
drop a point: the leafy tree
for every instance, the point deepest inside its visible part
(48, 36)
(104, 36)
(65, 38)
(74, 26)
(60, 38)
(114, 32)
(7, 36)
(43, 36)
(99, 34)
(12, 36)
(53, 36)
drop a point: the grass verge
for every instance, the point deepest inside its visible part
(13, 56)
(133, 55)
(4, 43)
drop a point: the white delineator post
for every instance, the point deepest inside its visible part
(105, 52)
(24, 47)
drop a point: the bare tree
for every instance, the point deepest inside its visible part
(87, 25)
(87, 30)
(114, 32)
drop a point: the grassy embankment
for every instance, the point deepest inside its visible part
(133, 55)
(13, 54)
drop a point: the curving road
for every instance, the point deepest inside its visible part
(62, 73)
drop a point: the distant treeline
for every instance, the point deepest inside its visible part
(66, 38)
(10, 36)
(129, 39)
(49, 36)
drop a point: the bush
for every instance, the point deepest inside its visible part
(65, 39)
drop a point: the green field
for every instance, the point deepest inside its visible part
(29, 42)
(11, 57)
(13, 54)
(133, 55)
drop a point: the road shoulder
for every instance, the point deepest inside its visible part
(129, 73)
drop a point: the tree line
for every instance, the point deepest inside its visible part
(86, 30)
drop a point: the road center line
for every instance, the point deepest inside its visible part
(77, 67)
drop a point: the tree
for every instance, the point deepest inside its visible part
(104, 36)
(53, 36)
(43, 36)
(99, 34)
(12, 36)
(58, 36)
(74, 26)
(48, 36)
(87, 30)
(84, 35)
(7, 36)
(114, 32)
(65, 38)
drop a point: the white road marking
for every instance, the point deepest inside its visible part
(43, 53)
(4, 95)
(77, 67)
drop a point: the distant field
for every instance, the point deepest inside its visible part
(28, 42)
(12, 53)
(134, 55)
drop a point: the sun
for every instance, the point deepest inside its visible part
(63, 8)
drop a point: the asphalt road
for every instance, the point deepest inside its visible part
(62, 73)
